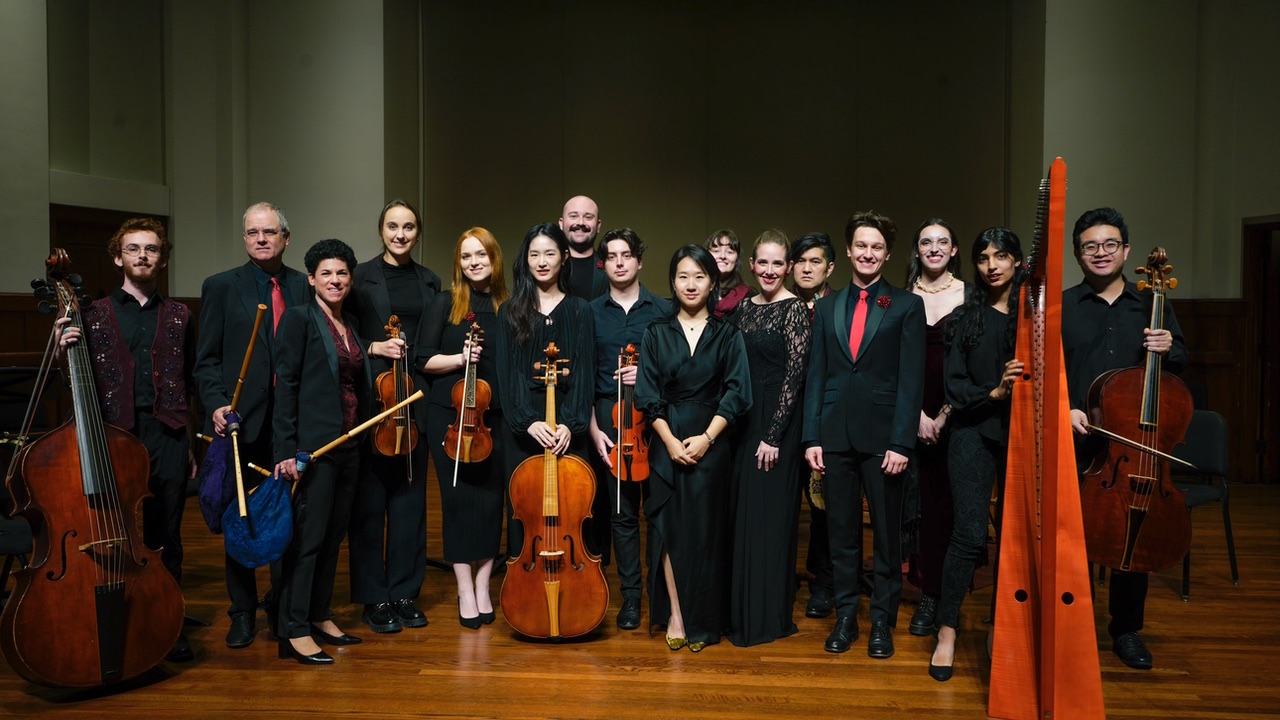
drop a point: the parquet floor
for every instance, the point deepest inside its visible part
(1217, 656)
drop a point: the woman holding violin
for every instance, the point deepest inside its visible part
(979, 374)
(694, 382)
(388, 546)
(322, 390)
(471, 491)
(777, 333)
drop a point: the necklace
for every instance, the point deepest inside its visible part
(695, 324)
(933, 291)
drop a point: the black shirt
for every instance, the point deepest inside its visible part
(855, 291)
(616, 328)
(972, 373)
(263, 279)
(1097, 337)
(138, 330)
(582, 278)
(405, 293)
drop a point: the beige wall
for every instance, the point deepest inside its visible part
(24, 143)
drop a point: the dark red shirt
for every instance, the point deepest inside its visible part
(350, 364)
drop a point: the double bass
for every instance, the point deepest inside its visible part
(95, 606)
(554, 588)
(630, 454)
(1135, 519)
(398, 434)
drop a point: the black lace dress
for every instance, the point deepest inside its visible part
(766, 503)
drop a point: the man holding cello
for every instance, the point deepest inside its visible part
(621, 317)
(1105, 327)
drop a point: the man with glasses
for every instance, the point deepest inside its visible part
(228, 306)
(1105, 327)
(142, 347)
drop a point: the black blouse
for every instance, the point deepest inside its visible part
(972, 373)
(570, 325)
(441, 337)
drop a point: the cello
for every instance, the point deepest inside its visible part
(554, 588)
(1135, 519)
(630, 454)
(468, 439)
(398, 434)
(95, 606)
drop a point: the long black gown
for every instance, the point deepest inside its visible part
(766, 504)
(688, 507)
(471, 512)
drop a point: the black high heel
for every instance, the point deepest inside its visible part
(488, 618)
(941, 673)
(471, 623)
(287, 651)
(342, 640)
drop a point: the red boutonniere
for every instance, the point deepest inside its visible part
(599, 264)
(883, 301)
(471, 317)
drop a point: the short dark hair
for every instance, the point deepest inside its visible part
(1099, 216)
(875, 221)
(330, 249)
(625, 234)
(809, 241)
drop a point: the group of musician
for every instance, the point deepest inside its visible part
(755, 397)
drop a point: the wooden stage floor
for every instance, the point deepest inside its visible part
(1217, 656)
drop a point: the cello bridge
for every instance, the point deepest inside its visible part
(556, 554)
(103, 543)
(1141, 485)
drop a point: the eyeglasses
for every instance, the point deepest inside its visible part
(269, 233)
(940, 243)
(135, 250)
(1107, 248)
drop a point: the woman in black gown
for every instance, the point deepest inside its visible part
(934, 275)
(471, 507)
(694, 382)
(542, 311)
(980, 371)
(766, 497)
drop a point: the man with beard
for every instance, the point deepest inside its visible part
(580, 221)
(813, 259)
(142, 347)
(228, 306)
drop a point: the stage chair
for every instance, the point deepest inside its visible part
(1206, 448)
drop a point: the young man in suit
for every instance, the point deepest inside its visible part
(861, 412)
(228, 306)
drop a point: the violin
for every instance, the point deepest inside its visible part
(554, 588)
(468, 439)
(1135, 519)
(630, 454)
(95, 606)
(396, 435)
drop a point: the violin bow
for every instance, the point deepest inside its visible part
(617, 475)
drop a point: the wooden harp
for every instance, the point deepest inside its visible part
(1045, 654)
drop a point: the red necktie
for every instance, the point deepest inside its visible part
(277, 305)
(859, 323)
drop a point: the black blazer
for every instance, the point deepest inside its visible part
(228, 305)
(308, 411)
(872, 405)
(370, 304)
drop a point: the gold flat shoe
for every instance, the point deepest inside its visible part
(676, 643)
(696, 646)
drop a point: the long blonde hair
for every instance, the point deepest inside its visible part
(461, 290)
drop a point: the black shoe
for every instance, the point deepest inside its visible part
(629, 615)
(241, 633)
(941, 673)
(381, 618)
(880, 646)
(181, 651)
(342, 640)
(845, 632)
(1132, 651)
(286, 651)
(925, 616)
(488, 618)
(408, 614)
(820, 604)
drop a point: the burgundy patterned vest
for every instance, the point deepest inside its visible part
(113, 366)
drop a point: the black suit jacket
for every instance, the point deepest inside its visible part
(370, 303)
(308, 410)
(871, 405)
(228, 306)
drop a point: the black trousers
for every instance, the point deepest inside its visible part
(818, 557)
(242, 582)
(321, 509)
(167, 449)
(388, 533)
(622, 510)
(975, 463)
(849, 475)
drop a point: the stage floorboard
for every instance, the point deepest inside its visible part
(1216, 656)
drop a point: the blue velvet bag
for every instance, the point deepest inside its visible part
(260, 538)
(217, 489)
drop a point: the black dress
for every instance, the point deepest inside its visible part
(471, 512)
(688, 506)
(766, 504)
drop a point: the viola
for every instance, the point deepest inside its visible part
(1135, 519)
(95, 606)
(468, 439)
(396, 435)
(630, 454)
(554, 588)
